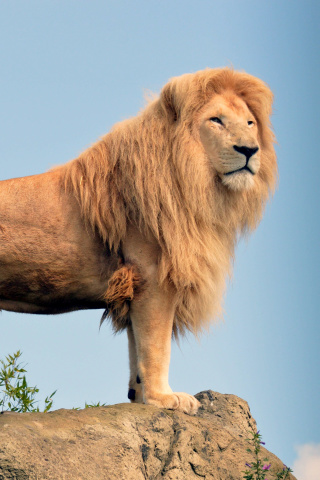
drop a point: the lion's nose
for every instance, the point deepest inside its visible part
(246, 151)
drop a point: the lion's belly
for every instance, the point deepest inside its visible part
(52, 308)
(58, 280)
(49, 262)
(33, 289)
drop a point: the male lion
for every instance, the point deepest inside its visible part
(144, 222)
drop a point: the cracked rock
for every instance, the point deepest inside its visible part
(130, 442)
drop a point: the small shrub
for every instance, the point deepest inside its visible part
(258, 469)
(91, 405)
(15, 393)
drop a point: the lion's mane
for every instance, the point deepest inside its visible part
(152, 171)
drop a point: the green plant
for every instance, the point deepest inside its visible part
(15, 393)
(258, 469)
(91, 405)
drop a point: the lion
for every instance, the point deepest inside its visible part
(143, 224)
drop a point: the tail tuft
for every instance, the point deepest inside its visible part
(122, 287)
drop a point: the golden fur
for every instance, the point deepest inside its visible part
(144, 223)
(151, 171)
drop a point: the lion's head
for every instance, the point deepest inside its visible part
(227, 113)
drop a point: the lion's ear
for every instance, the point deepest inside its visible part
(260, 98)
(168, 100)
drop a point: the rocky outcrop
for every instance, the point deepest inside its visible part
(130, 442)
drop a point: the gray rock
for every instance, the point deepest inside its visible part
(130, 442)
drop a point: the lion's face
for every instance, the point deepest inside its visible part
(229, 134)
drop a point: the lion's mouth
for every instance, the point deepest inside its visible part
(245, 168)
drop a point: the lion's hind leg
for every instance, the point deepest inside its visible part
(135, 393)
(122, 286)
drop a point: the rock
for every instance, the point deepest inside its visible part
(130, 442)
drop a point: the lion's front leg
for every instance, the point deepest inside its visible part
(152, 319)
(152, 311)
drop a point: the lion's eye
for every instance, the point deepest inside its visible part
(216, 120)
(250, 122)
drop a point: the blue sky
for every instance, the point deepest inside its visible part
(69, 71)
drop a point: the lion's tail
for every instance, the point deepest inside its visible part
(122, 286)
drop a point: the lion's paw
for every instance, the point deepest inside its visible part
(175, 401)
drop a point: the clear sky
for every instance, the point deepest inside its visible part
(69, 71)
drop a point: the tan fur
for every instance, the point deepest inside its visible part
(144, 223)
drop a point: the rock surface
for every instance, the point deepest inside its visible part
(130, 442)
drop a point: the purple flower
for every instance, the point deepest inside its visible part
(262, 443)
(266, 467)
(248, 465)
